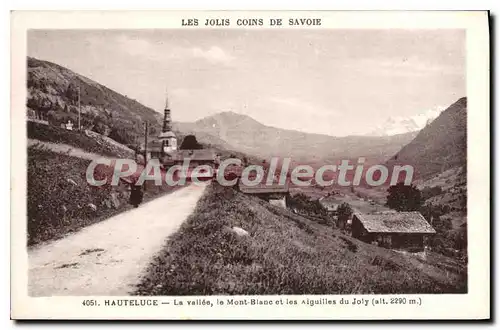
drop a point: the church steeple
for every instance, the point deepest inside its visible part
(167, 137)
(167, 121)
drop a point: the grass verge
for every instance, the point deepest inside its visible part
(283, 253)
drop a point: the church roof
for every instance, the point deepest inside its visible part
(166, 134)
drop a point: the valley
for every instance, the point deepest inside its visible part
(205, 254)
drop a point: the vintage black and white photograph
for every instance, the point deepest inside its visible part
(247, 162)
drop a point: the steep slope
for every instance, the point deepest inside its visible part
(440, 146)
(53, 93)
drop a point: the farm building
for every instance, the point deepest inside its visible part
(204, 161)
(275, 194)
(406, 231)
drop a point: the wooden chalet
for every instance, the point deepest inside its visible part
(407, 231)
(275, 194)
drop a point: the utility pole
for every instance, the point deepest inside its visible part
(79, 126)
(146, 131)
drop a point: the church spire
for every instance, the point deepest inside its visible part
(167, 121)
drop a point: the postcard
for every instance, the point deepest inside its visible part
(278, 165)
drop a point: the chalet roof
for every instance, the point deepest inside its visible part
(395, 222)
(262, 188)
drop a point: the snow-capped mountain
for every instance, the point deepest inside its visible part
(399, 125)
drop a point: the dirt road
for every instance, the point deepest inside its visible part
(109, 257)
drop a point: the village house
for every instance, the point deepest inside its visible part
(196, 158)
(274, 194)
(407, 231)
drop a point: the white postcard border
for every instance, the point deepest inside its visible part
(474, 305)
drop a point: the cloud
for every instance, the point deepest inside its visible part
(160, 51)
(405, 66)
(214, 54)
(138, 47)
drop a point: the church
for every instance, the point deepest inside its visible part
(165, 146)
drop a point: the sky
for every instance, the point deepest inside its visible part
(336, 82)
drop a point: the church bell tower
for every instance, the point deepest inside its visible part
(167, 137)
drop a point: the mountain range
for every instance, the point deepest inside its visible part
(242, 133)
(53, 91)
(400, 125)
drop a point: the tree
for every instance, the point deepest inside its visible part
(190, 142)
(344, 212)
(122, 135)
(404, 198)
(72, 93)
(52, 117)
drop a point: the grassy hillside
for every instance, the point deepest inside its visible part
(440, 146)
(53, 94)
(283, 254)
(439, 157)
(101, 146)
(53, 91)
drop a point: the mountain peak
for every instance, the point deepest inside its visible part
(399, 125)
(228, 118)
(230, 115)
(461, 103)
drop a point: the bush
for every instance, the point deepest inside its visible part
(305, 204)
(344, 212)
(429, 192)
(404, 198)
